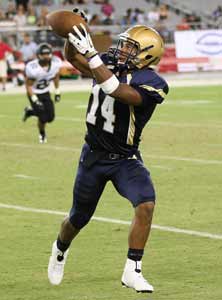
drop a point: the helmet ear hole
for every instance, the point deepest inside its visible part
(148, 56)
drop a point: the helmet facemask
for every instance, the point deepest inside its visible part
(125, 52)
(44, 54)
(44, 59)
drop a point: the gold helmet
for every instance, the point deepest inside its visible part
(144, 45)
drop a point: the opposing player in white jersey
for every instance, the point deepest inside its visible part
(39, 73)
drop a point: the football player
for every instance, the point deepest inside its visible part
(39, 73)
(125, 93)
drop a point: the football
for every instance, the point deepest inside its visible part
(62, 22)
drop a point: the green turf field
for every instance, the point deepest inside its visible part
(182, 147)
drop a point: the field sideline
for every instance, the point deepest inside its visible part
(181, 146)
(174, 80)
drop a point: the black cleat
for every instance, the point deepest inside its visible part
(26, 114)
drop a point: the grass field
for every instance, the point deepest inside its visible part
(182, 147)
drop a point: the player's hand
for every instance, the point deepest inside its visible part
(36, 101)
(39, 105)
(82, 41)
(81, 13)
(57, 97)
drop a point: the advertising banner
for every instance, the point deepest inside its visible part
(199, 50)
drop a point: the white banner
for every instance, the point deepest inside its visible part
(201, 48)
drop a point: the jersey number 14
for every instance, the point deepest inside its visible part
(107, 110)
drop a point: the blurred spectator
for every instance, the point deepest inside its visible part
(20, 17)
(139, 16)
(11, 11)
(24, 3)
(194, 21)
(107, 9)
(4, 50)
(217, 13)
(163, 31)
(95, 20)
(184, 24)
(163, 12)
(31, 16)
(42, 20)
(2, 15)
(108, 21)
(153, 16)
(28, 49)
(128, 19)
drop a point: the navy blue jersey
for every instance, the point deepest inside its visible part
(115, 126)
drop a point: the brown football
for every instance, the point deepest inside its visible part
(62, 22)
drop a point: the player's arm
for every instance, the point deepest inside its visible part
(103, 76)
(32, 97)
(111, 85)
(56, 79)
(28, 85)
(77, 60)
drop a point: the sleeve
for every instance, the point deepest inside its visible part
(58, 63)
(152, 94)
(28, 72)
(152, 87)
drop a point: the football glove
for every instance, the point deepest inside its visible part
(81, 13)
(82, 41)
(34, 99)
(57, 97)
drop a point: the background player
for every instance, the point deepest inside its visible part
(4, 50)
(124, 95)
(39, 72)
